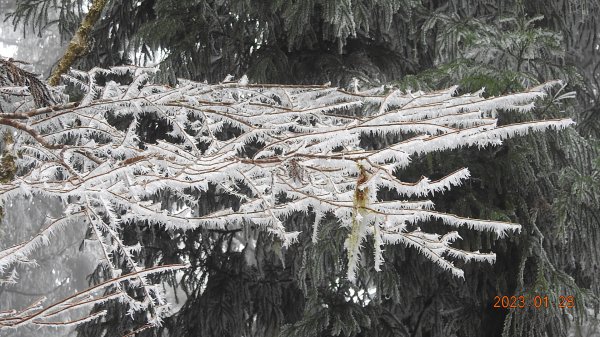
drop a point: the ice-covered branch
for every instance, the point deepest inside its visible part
(49, 315)
(275, 149)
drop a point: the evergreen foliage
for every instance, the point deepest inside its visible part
(547, 182)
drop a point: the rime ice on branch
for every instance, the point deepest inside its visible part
(278, 149)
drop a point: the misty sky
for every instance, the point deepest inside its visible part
(7, 51)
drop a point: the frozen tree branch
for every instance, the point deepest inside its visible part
(37, 314)
(278, 149)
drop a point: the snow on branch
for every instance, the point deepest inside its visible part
(277, 149)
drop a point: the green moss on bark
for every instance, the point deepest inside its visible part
(78, 45)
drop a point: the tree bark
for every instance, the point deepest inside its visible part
(78, 45)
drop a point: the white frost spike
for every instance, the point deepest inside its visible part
(354, 85)
(243, 81)
(354, 242)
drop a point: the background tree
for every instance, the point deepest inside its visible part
(501, 45)
(41, 49)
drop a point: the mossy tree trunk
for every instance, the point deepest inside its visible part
(78, 45)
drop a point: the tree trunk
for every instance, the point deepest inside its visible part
(78, 45)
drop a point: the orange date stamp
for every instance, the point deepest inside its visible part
(536, 302)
